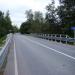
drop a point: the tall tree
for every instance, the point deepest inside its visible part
(51, 17)
(2, 24)
(37, 22)
(33, 24)
(25, 27)
(29, 15)
(8, 22)
(5, 24)
(67, 15)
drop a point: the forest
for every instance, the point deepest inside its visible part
(56, 21)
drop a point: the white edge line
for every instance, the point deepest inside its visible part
(52, 49)
(15, 61)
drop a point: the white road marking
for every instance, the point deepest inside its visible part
(51, 49)
(15, 61)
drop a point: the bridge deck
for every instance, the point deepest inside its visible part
(37, 56)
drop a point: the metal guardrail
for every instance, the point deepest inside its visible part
(55, 37)
(5, 48)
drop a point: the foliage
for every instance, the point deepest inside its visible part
(5, 24)
(25, 27)
(33, 24)
(2, 40)
(57, 20)
(15, 29)
(66, 14)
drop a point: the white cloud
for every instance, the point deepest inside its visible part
(17, 8)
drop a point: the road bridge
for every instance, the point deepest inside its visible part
(35, 56)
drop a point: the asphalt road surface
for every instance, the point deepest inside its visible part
(36, 56)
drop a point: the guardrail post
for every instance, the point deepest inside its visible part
(55, 37)
(48, 36)
(43, 36)
(51, 37)
(66, 39)
(60, 37)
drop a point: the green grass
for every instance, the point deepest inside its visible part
(2, 40)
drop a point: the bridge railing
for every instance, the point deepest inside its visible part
(4, 49)
(55, 37)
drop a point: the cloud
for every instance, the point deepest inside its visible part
(17, 8)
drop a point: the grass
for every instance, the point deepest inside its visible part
(2, 40)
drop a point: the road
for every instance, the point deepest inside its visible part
(35, 56)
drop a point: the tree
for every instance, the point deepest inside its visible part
(37, 22)
(51, 17)
(2, 24)
(8, 22)
(29, 15)
(57, 20)
(33, 24)
(5, 24)
(38, 16)
(15, 29)
(66, 12)
(25, 27)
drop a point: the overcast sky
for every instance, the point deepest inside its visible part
(17, 8)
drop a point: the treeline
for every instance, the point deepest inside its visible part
(56, 21)
(5, 24)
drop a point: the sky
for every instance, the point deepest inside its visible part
(17, 8)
